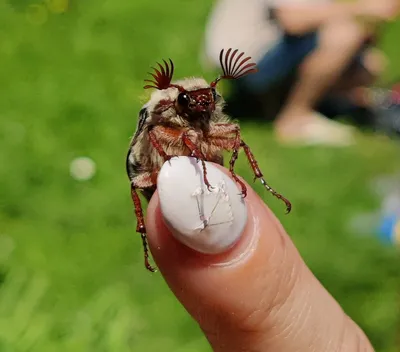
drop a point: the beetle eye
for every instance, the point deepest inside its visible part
(183, 99)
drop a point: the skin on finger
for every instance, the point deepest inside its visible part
(257, 296)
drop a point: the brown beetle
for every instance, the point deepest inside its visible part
(186, 118)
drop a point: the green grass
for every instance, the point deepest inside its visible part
(71, 275)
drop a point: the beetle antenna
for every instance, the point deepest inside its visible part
(233, 68)
(162, 77)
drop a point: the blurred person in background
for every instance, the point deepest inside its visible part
(311, 54)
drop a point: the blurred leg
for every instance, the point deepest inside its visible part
(351, 95)
(338, 43)
(365, 70)
(356, 81)
(270, 86)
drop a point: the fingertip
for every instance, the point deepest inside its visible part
(173, 218)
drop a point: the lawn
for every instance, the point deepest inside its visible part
(71, 274)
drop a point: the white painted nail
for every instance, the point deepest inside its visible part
(209, 222)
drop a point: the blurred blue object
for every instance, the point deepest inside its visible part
(389, 229)
(389, 223)
(384, 222)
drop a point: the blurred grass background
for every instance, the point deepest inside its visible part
(71, 272)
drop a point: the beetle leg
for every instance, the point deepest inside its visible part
(158, 147)
(258, 175)
(227, 136)
(140, 228)
(178, 138)
(234, 157)
(196, 152)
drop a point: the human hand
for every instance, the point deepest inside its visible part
(379, 9)
(254, 292)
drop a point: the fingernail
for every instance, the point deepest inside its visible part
(208, 221)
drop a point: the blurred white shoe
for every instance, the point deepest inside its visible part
(318, 130)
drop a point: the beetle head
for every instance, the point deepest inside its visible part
(193, 101)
